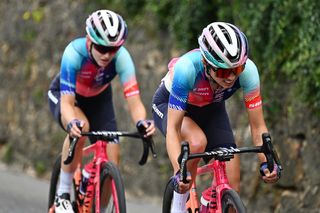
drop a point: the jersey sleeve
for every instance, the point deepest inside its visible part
(250, 83)
(126, 70)
(184, 75)
(70, 65)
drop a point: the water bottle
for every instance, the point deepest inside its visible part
(205, 200)
(85, 180)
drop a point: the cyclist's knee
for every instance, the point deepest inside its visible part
(233, 172)
(197, 144)
(114, 153)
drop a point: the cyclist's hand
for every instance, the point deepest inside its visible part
(268, 177)
(178, 185)
(74, 128)
(148, 125)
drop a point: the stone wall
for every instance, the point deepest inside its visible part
(34, 34)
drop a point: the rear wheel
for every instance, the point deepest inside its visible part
(112, 194)
(231, 202)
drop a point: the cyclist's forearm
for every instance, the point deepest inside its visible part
(136, 108)
(173, 149)
(257, 140)
(67, 110)
(174, 138)
(258, 127)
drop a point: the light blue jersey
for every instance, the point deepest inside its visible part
(80, 74)
(187, 83)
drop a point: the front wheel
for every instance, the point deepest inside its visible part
(231, 202)
(112, 195)
(167, 198)
(53, 183)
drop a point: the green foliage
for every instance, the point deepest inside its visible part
(185, 19)
(114, 5)
(285, 43)
(40, 168)
(36, 15)
(33, 17)
(7, 153)
(283, 35)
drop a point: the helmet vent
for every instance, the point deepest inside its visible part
(223, 45)
(95, 29)
(211, 51)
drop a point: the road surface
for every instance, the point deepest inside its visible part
(22, 193)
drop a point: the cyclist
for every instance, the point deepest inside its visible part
(189, 104)
(80, 96)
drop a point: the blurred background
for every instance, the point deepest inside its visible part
(284, 43)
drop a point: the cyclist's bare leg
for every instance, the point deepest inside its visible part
(233, 172)
(113, 152)
(191, 132)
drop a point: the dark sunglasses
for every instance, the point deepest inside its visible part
(105, 49)
(225, 73)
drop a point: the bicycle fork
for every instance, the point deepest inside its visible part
(219, 183)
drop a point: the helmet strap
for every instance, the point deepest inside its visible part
(207, 70)
(91, 55)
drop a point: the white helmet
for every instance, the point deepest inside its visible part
(107, 28)
(223, 45)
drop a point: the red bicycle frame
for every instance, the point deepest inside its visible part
(219, 184)
(217, 165)
(99, 151)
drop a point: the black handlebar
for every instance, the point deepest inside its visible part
(72, 147)
(270, 152)
(147, 143)
(111, 135)
(182, 160)
(225, 154)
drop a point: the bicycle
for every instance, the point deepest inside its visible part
(222, 197)
(101, 170)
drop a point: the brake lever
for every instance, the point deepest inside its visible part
(182, 160)
(71, 150)
(147, 143)
(151, 145)
(270, 152)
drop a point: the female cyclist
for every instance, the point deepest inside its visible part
(189, 104)
(81, 95)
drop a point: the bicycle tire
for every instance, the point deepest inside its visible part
(231, 199)
(110, 170)
(54, 181)
(167, 198)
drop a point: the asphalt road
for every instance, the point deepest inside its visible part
(22, 193)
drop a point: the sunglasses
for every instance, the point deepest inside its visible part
(105, 49)
(225, 73)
